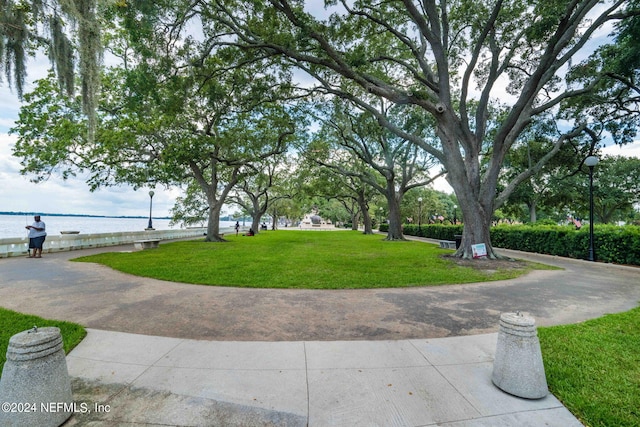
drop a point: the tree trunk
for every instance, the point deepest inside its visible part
(476, 230)
(257, 212)
(395, 223)
(213, 224)
(355, 218)
(366, 218)
(477, 211)
(255, 221)
(533, 217)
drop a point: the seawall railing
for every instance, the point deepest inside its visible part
(17, 246)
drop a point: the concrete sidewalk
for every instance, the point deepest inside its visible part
(129, 379)
(98, 297)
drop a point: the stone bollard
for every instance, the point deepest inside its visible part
(518, 367)
(35, 389)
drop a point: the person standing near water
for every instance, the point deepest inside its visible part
(37, 234)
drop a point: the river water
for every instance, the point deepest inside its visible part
(13, 225)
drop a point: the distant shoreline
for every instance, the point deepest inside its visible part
(79, 215)
(45, 214)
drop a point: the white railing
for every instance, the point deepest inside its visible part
(68, 242)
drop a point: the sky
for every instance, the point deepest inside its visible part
(56, 195)
(19, 194)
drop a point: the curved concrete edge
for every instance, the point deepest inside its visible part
(155, 380)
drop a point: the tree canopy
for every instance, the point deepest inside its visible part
(459, 62)
(467, 82)
(68, 31)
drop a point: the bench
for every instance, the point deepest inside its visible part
(146, 244)
(447, 244)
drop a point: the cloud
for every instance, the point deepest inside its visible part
(56, 195)
(628, 150)
(72, 196)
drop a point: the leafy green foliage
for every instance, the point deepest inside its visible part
(433, 231)
(207, 125)
(352, 144)
(300, 260)
(618, 245)
(612, 244)
(562, 188)
(448, 61)
(60, 28)
(51, 133)
(612, 74)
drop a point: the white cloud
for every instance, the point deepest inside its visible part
(72, 196)
(629, 150)
(441, 184)
(56, 195)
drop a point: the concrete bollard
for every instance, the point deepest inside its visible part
(35, 389)
(518, 367)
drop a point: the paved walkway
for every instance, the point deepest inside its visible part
(170, 381)
(98, 297)
(162, 353)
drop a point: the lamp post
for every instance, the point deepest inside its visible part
(381, 217)
(419, 216)
(150, 225)
(455, 218)
(591, 161)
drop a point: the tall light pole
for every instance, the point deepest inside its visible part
(455, 211)
(151, 193)
(419, 216)
(591, 161)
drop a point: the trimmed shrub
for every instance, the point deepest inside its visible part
(433, 231)
(619, 245)
(613, 244)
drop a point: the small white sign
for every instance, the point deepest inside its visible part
(479, 250)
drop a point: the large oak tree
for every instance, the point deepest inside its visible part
(454, 60)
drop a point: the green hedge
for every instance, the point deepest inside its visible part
(433, 231)
(619, 245)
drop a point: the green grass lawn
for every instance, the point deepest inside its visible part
(594, 368)
(302, 260)
(12, 323)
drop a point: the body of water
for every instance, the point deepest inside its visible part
(13, 225)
